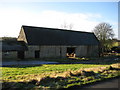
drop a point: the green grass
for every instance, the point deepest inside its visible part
(26, 76)
(66, 82)
(12, 73)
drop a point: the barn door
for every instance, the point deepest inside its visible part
(20, 54)
(71, 52)
(37, 54)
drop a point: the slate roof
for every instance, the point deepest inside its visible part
(13, 46)
(52, 36)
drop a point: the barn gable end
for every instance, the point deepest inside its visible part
(22, 36)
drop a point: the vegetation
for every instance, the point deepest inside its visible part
(56, 76)
(19, 72)
(105, 34)
(67, 26)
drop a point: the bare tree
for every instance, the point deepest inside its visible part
(105, 34)
(70, 26)
(67, 26)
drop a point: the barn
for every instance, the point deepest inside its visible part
(44, 42)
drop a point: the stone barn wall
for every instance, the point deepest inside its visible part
(60, 51)
(54, 52)
(9, 54)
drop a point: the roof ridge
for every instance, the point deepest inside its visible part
(57, 29)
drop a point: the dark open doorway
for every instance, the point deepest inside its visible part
(37, 54)
(20, 54)
(70, 52)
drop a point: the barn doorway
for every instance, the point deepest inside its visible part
(70, 52)
(37, 54)
(21, 54)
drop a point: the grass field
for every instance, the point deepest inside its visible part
(57, 75)
(19, 72)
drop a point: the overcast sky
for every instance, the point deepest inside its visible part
(84, 16)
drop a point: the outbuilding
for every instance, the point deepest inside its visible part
(11, 48)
